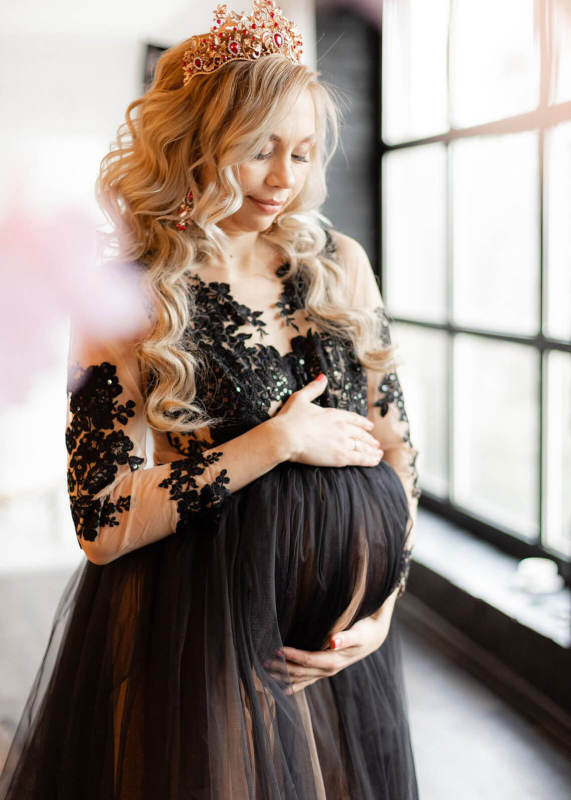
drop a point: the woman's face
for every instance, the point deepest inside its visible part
(272, 179)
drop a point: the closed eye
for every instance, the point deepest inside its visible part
(263, 156)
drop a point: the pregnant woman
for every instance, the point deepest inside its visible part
(241, 474)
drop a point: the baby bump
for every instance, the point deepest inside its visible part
(316, 546)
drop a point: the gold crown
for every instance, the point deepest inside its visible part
(237, 37)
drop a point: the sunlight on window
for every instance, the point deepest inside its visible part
(495, 214)
(494, 60)
(425, 368)
(558, 231)
(557, 463)
(414, 225)
(495, 442)
(414, 69)
(461, 222)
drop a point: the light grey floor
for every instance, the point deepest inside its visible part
(467, 742)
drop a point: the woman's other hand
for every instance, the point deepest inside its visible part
(301, 668)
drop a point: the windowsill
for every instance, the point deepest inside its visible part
(462, 597)
(478, 569)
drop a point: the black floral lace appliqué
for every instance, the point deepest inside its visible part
(389, 388)
(242, 379)
(404, 570)
(188, 444)
(390, 391)
(96, 447)
(292, 297)
(295, 288)
(195, 499)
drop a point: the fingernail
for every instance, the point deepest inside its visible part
(320, 377)
(335, 642)
(280, 653)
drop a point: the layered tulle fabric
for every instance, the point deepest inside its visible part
(154, 685)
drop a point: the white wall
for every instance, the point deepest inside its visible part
(68, 70)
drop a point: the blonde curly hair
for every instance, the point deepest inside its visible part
(160, 152)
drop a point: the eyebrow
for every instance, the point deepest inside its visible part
(275, 138)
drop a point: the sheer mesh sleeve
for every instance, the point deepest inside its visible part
(386, 405)
(116, 504)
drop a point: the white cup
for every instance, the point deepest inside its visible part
(537, 574)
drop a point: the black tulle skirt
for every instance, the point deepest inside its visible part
(153, 684)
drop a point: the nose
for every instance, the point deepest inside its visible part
(281, 173)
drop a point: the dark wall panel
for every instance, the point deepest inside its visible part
(348, 49)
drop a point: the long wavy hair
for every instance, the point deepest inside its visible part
(169, 136)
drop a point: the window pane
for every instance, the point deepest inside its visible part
(557, 464)
(414, 214)
(494, 60)
(558, 231)
(561, 28)
(496, 432)
(423, 378)
(495, 231)
(414, 69)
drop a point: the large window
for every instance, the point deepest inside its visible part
(476, 257)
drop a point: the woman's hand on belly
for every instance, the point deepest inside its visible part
(324, 437)
(300, 668)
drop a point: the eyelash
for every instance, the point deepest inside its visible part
(263, 156)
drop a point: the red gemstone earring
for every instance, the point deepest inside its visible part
(185, 211)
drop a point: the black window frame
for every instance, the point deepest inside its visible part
(545, 116)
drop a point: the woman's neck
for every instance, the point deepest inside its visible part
(246, 257)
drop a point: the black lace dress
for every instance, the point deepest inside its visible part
(154, 682)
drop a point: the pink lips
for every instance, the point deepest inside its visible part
(270, 207)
